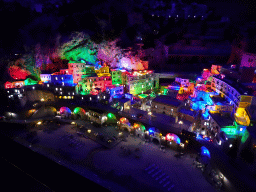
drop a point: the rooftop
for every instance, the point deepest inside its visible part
(218, 99)
(187, 111)
(123, 100)
(222, 120)
(167, 100)
(236, 85)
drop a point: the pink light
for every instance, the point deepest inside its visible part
(169, 137)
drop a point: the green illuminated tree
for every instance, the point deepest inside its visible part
(79, 47)
(30, 65)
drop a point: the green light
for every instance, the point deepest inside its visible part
(78, 110)
(29, 81)
(111, 116)
(232, 131)
(143, 127)
(143, 95)
(245, 136)
(165, 91)
(153, 94)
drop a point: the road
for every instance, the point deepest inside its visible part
(162, 122)
(233, 172)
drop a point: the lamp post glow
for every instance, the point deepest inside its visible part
(180, 122)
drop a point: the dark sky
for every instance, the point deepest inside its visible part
(240, 10)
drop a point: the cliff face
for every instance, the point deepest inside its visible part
(38, 95)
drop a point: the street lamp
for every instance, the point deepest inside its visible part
(180, 122)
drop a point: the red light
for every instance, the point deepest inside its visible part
(169, 137)
(18, 73)
(8, 85)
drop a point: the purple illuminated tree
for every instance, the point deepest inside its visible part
(109, 53)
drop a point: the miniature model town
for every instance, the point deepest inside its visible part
(145, 124)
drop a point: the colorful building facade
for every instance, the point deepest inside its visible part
(91, 84)
(142, 81)
(80, 70)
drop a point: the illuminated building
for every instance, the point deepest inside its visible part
(115, 90)
(64, 92)
(215, 69)
(80, 70)
(206, 74)
(103, 71)
(229, 89)
(218, 121)
(221, 105)
(182, 81)
(90, 84)
(62, 79)
(98, 116)
(238, 96)
(119, 77)
(8, 85)
(142, 81)
(234, 130)
(165, 105)
(45, 77)
(186, 114)
(121, 104)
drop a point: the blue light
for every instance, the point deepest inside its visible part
(199, 137)
(205, 152)
(206, 114)
(151, 130)
(178, 140)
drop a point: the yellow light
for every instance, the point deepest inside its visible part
(60, 97)
(42, 99)
(39, 122)
(89, 131)
(186, 141)
(73, 123)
